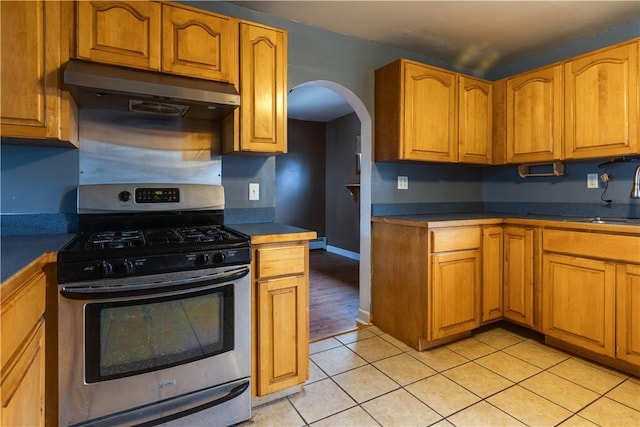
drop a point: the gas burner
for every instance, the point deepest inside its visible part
(203, 234)
(115, 240)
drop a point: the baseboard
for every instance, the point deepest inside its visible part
(364, 317)
(319, 243)
(343, 252)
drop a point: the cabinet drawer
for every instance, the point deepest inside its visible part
(594, 245)
(280, 260)
(455, 239)
(21, 313)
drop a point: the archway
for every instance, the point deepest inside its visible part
(364, 311)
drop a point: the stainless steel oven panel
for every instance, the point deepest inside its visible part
(80, 402)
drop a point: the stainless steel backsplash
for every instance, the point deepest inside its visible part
(118, 147)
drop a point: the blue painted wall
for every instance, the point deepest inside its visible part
(41, 180)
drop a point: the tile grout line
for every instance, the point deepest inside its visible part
(496, 351)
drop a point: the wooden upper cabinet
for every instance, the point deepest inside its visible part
(426, 113)
(199, 44)
(429, 114)
(35, 44)
(534, 116)
(159, 37)
(120, 33)
(263, 82)
(475, 104)
(601, 103)
(415, 113)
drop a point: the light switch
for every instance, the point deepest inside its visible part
(403, 182)
(254, 191)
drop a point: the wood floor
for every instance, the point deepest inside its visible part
(333, 294)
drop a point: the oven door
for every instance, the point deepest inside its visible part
(154, 348)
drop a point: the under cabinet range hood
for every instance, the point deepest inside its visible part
(109, 87)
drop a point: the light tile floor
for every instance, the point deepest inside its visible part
(494, 378)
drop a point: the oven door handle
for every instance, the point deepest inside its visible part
(172, 408)
(105, 291)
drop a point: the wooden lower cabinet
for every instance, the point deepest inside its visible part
(579, 302)
(426, 281)
(22, 347)
(281, 316)
(455, 292)
(492, 275)
(518, 274)
(628, 313)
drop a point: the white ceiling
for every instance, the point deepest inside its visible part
(474, 34)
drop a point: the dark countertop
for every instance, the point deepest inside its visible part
(269, 232)
(17, 251)
(592, 223)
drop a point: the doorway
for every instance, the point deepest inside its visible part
(312, 107)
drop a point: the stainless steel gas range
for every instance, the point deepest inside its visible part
(154, 309)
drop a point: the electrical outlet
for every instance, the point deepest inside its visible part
(592, 180)
(403, 182)
(254, 191)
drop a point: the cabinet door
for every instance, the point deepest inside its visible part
(475, 102)
(492, 250)
(22, 389)
(534, 116)
(518, 274)
(430, 127)
(23, 384)
(601, 104)
(33, 48)
(628, 313)
(263, 82)
(455, 293)
(283, 333)
(578, 302)
(120, 33)
(198, 44)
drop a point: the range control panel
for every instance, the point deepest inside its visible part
(157, 195)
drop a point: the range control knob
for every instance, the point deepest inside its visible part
(103, 268)
(126, 267)
(201, 259)
(220, 257)
(124, 196)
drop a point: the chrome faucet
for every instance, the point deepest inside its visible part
(635, 190)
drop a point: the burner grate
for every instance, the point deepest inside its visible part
(115, 240)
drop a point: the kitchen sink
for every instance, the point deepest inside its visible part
(621, 221)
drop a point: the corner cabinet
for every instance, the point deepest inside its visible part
(281, 315)
(36, 39)
(159, 37)
(534, 116)
(475, 111)
(22, 319)
(601, 103)
(492, 273)
(262, 115)
(425, 113)
(519, 274)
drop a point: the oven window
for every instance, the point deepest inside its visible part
(131, 337)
